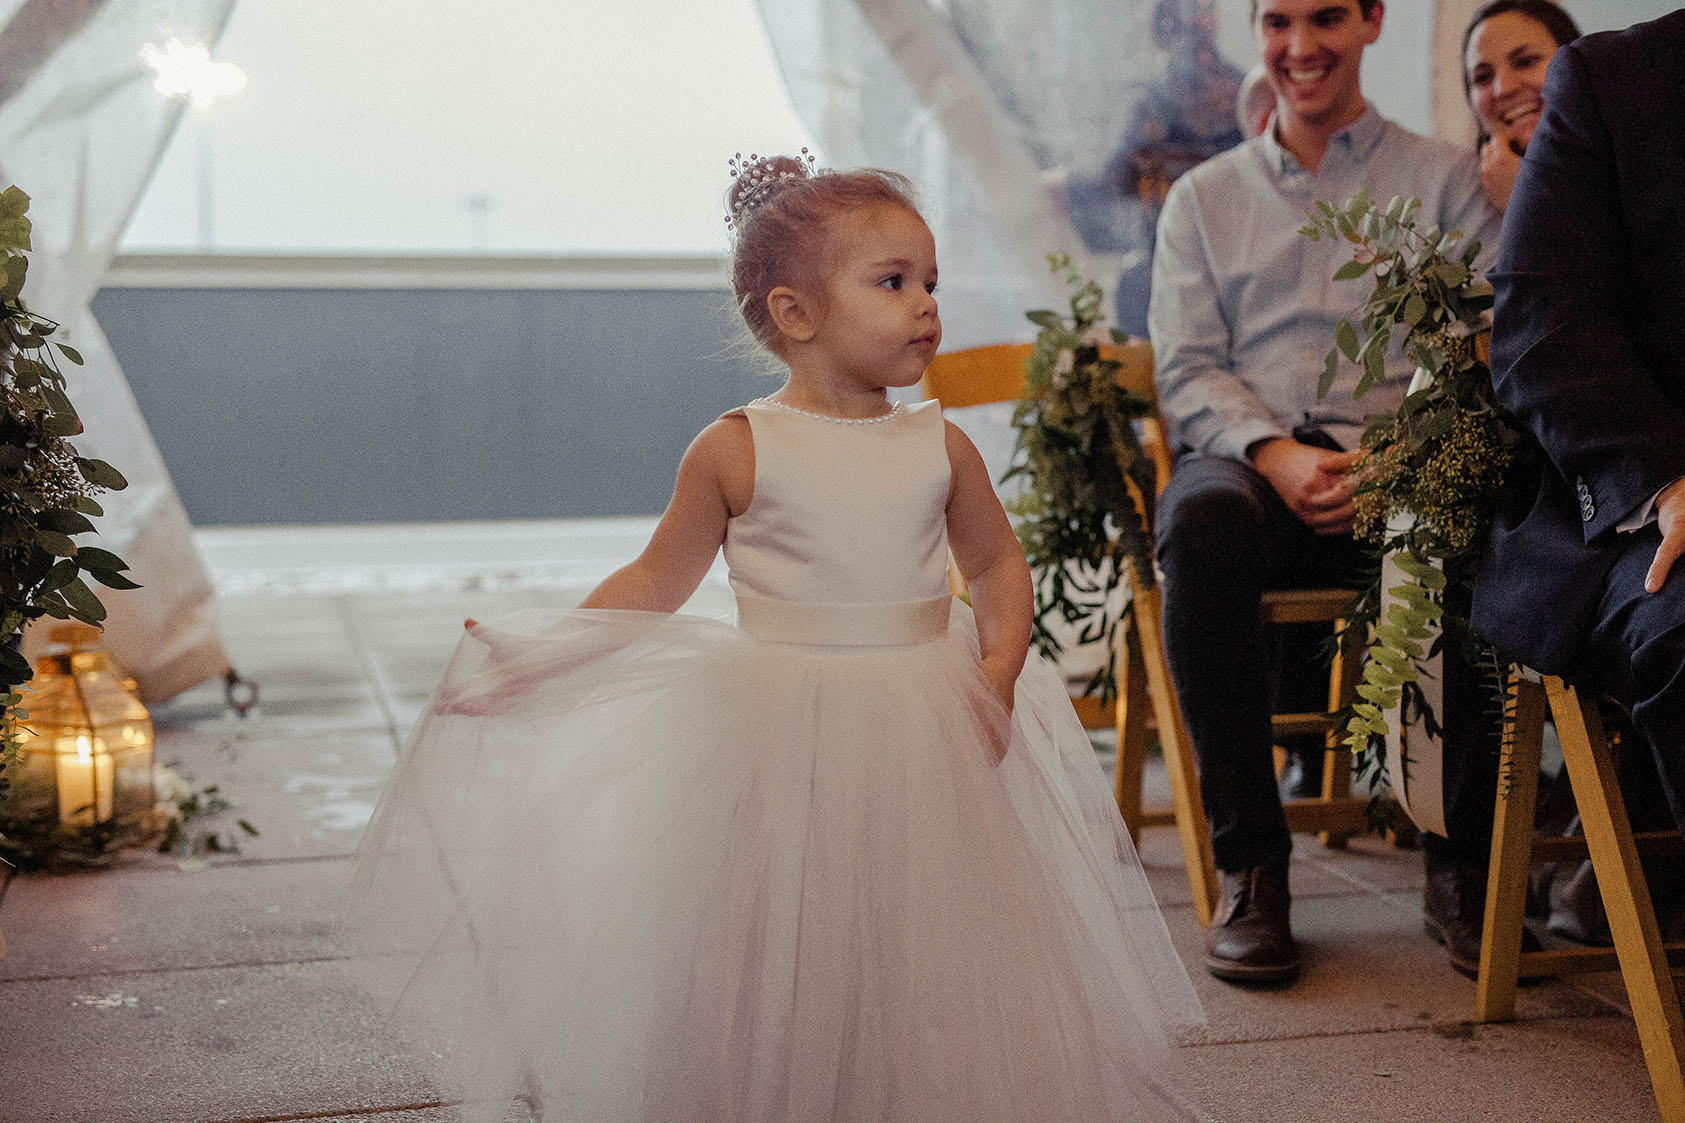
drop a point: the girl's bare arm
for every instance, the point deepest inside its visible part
(715, 481)
(992, 563)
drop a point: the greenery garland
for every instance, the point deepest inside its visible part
(1436, 467)
(46, 490)
(1083, 513)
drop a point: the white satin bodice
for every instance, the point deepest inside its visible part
(843, 513)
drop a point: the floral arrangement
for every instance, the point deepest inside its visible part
(1083, 513)
(1436, 467)
(46, 490)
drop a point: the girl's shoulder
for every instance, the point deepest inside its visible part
(724, 451)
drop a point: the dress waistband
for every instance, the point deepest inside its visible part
(820, 624)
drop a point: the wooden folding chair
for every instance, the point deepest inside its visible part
(1614, 849)
(1146, 698)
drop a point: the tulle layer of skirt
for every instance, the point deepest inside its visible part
(680, 873)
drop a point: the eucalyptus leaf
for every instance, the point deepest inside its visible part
(15, 667)
(1374, 371)
(17, 268)
(113, 580)
(1415, 310)
(53, 605)
(83, 602)
(1330, 371)
(1345, 338)
(62, 574)
(55, 543)
(100, 474)
(63, 521)
(14, 220)
(92, 557)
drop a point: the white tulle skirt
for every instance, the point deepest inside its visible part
(685, 874)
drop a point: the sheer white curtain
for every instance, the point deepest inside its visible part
(993, 107)
(80, 130)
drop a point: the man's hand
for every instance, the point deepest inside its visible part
(1313, 482)
(1670, 519)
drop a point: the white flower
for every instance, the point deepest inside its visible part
(1063, 364)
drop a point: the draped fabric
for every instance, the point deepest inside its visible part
(1013, 117)
(81, 129)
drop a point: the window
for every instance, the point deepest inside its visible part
(512, 127)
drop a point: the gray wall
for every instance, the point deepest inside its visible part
(291, 405)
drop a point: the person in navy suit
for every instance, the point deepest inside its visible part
(1582, 576)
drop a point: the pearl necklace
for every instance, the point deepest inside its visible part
(773, 403)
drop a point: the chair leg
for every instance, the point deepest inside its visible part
(1343, 677)
(1178, 758)
(1512, 847)
(1626, 898)
(1131, 732)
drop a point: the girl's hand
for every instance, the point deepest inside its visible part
(1003, 680)
(504, 680)
(1499, 164)
(1003, 683)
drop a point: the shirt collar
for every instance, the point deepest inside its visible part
(1358, 138)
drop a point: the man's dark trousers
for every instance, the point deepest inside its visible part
(1224, 537)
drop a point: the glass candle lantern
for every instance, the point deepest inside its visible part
(86, 746)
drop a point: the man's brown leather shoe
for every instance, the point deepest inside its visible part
(1454, 913)
(1250, 940)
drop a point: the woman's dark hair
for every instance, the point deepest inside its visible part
(1558, 23)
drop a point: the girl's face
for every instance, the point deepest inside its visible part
(1505, 64)
(877, 323)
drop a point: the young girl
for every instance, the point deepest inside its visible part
(849, 859)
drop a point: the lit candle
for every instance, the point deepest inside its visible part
(85, 775)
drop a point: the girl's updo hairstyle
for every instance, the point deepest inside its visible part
(778, 210)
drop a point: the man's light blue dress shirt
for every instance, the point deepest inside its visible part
(1244, 306)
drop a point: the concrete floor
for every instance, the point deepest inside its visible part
(147, 992)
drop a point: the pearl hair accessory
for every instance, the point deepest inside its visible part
(758, 179)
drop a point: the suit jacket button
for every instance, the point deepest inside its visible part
(1588, 509)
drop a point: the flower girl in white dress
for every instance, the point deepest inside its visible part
(850, 858)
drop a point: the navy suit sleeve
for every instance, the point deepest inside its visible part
(1565, 356)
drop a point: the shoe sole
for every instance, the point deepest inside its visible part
(1458, 963)
(1230, 971)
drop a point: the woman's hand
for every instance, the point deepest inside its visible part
(1499, 164)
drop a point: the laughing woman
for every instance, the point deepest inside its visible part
(1506, 48)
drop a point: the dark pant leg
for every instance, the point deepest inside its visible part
(1223, 537)
(1636, 651)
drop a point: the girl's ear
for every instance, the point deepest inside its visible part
(790, 314)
